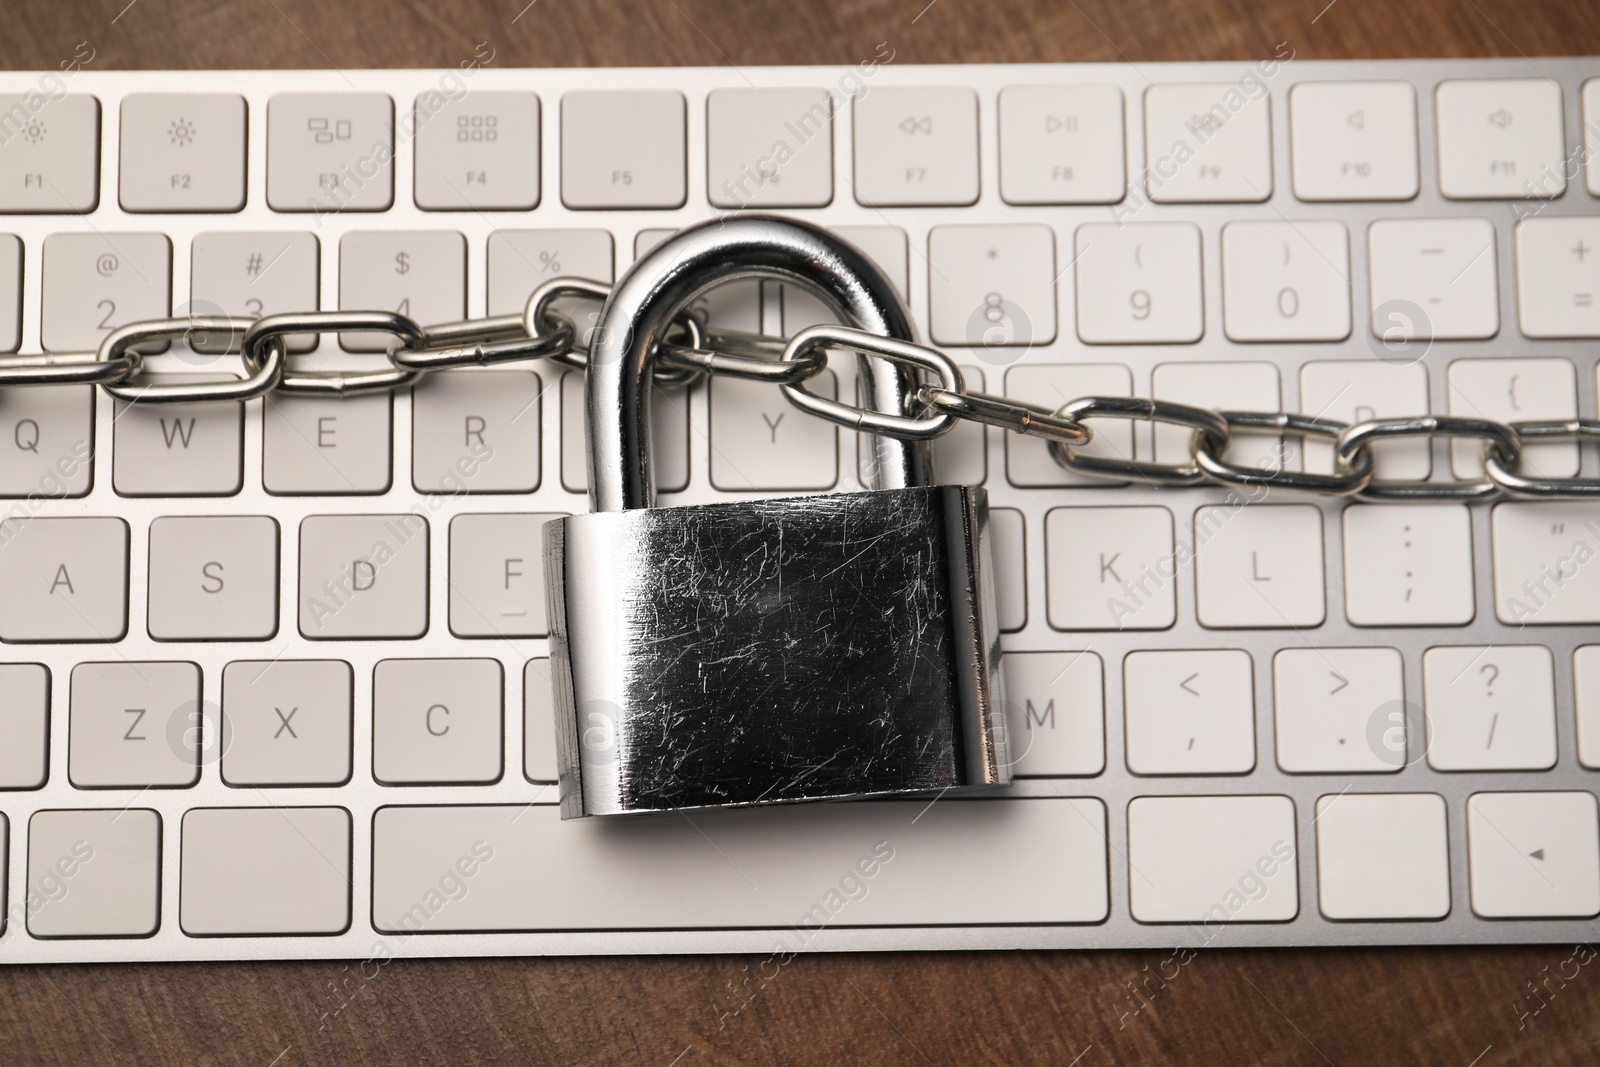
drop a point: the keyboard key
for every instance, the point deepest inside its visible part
(497, 575)
(1408, 565)
(46, 441)
(1354, 140)
(889, 251)
(1490, 708)
(330, 152)
(1055, 713)
(1212, 859)
(1591, 130)
(623, 148)
(255, 274)
(65, 579)
(760, 441)
(1010, 568)
(311, 445)
(419, 273)
(1259, 566)
(1433, 279)
(110, 863)
(25, 724)
(10, 292)
(135, 725)
(1383, 856)
(1219, 386)
(1207, 144)
(734, 306)
(437, 721)
(992, 286)
(94, 283)
(522, 260)
(1339, 710)
(1034, 861)
(1500, 138)
(916, 146)
(265, 871)
(476, 433)
(1352, 391)
(538, 719)
(286, 722)
(182, 152)
(960, 457)
(477, 152)
(1541, 573)
(1190, 712)
(50, 156)
(669, 426)
(363, 576)
(1533, 855)
(1586, 700)
(1110, 568)
(1514, 390)
(1028, 459)
(769, 147)
(214, 578)
(179, 449)
(1558, 277)
(1062, 144)
(1139, 283)
(1286, 281)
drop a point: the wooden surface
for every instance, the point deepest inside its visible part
(1450, 1007)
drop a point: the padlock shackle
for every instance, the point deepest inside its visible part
(644, 303)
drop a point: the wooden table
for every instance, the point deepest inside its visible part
(1432, 1006)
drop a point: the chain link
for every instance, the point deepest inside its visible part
(544, 332)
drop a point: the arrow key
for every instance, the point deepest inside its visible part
(1534, 855)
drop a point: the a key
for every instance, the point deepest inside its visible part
(1533, 855)
(1259, 566)
(1408, 565)
(419, 273)
(1219, 386)
(1349, 390)
(623, 148)
(992, 286)
(1542, 555)
(476, 433)
(1286, 281)
(46, 441)
(182, 152)
(96, 282)
(1212, 859)
(1061, 144)
(497, 575)
(336, 446)
(10, 292)
(1490, 708)
(689, 881)
(669, 425)
(109, 863)
(759, 441)
(1500, 138)
(1110, 568)
(251, 275)
(1010, 568)
(66, 579)
(477, 152)
(330, 152)
(1339, 710)
(1433, 279)
(1586, 701)
(1055, 713)
(1190, 712)
(1028, 459)
(916, 146)
(363, 576)
(437, 721)
(1515, 390)
(538, 722)
(522, 260)
(214, 578)
(286, 722)
(179, 449)
(1139, 283)
(1558, 277)
(50, 161)
(1354, 140)
(1382, 856)
(265, 871)
(769, 147)
(135, 725)
(1207, 143)
(25, 724)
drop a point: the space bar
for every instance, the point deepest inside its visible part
(515, 867)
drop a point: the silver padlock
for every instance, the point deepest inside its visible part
(766, 651)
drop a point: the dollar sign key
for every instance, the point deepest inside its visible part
(402, 262)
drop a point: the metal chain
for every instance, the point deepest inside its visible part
(542, 331)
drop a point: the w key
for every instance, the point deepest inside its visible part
(178, 449)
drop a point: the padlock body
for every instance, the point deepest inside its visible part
(772, 651)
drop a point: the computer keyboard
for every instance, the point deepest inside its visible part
(275, 678)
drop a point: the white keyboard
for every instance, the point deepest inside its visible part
(225, 733)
